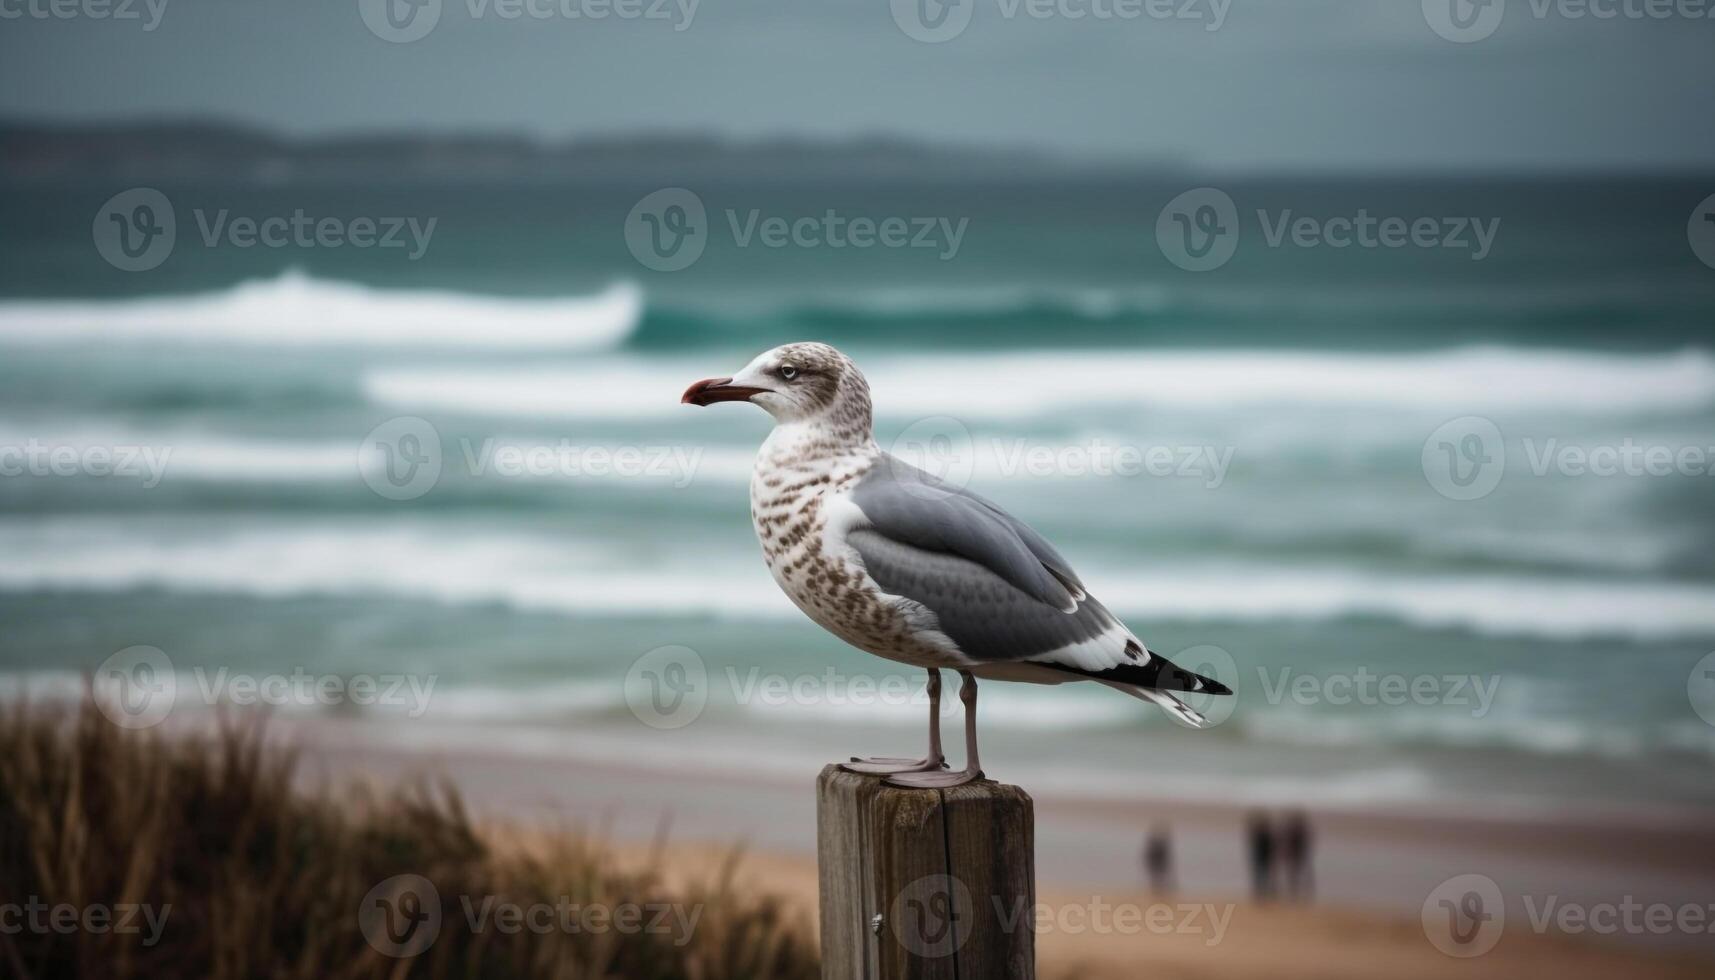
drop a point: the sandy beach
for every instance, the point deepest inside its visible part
(1374, 869)
(1315, 943)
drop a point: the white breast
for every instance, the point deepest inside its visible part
(801, 509)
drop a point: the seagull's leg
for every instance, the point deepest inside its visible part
(973, 768)
(882, 766)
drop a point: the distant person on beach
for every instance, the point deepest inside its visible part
(1262, 855)
(1295, 844)
(1158, 860)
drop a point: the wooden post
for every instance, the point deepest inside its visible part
(925, 884)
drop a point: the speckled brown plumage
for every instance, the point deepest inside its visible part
(801, 474)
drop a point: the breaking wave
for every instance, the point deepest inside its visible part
(296, 310)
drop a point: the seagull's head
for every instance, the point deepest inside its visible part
(794, 383)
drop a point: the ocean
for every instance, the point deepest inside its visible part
(1266, 468)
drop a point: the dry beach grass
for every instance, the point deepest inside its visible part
(249, 876)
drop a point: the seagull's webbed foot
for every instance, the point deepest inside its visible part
(934, 780)
(933, 762)
(973, 770)
(886, 766)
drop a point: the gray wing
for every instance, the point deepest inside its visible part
(999, 590)
(914, 508)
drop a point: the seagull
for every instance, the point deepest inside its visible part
(913, 569)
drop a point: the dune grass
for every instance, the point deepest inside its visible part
(247, 875)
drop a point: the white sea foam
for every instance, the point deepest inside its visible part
(1469, 380)
(457, 566)
(295, 310)
(528, 571)
(204, 456)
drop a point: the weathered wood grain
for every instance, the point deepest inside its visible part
(925, 884)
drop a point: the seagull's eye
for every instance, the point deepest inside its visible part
(788, 372)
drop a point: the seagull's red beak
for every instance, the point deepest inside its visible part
(717, 390)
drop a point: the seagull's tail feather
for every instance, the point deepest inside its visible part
(1167, 701)
(1155, 673)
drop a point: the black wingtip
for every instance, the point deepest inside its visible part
(1157, 674)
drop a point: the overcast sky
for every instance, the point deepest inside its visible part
(1302, 84)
